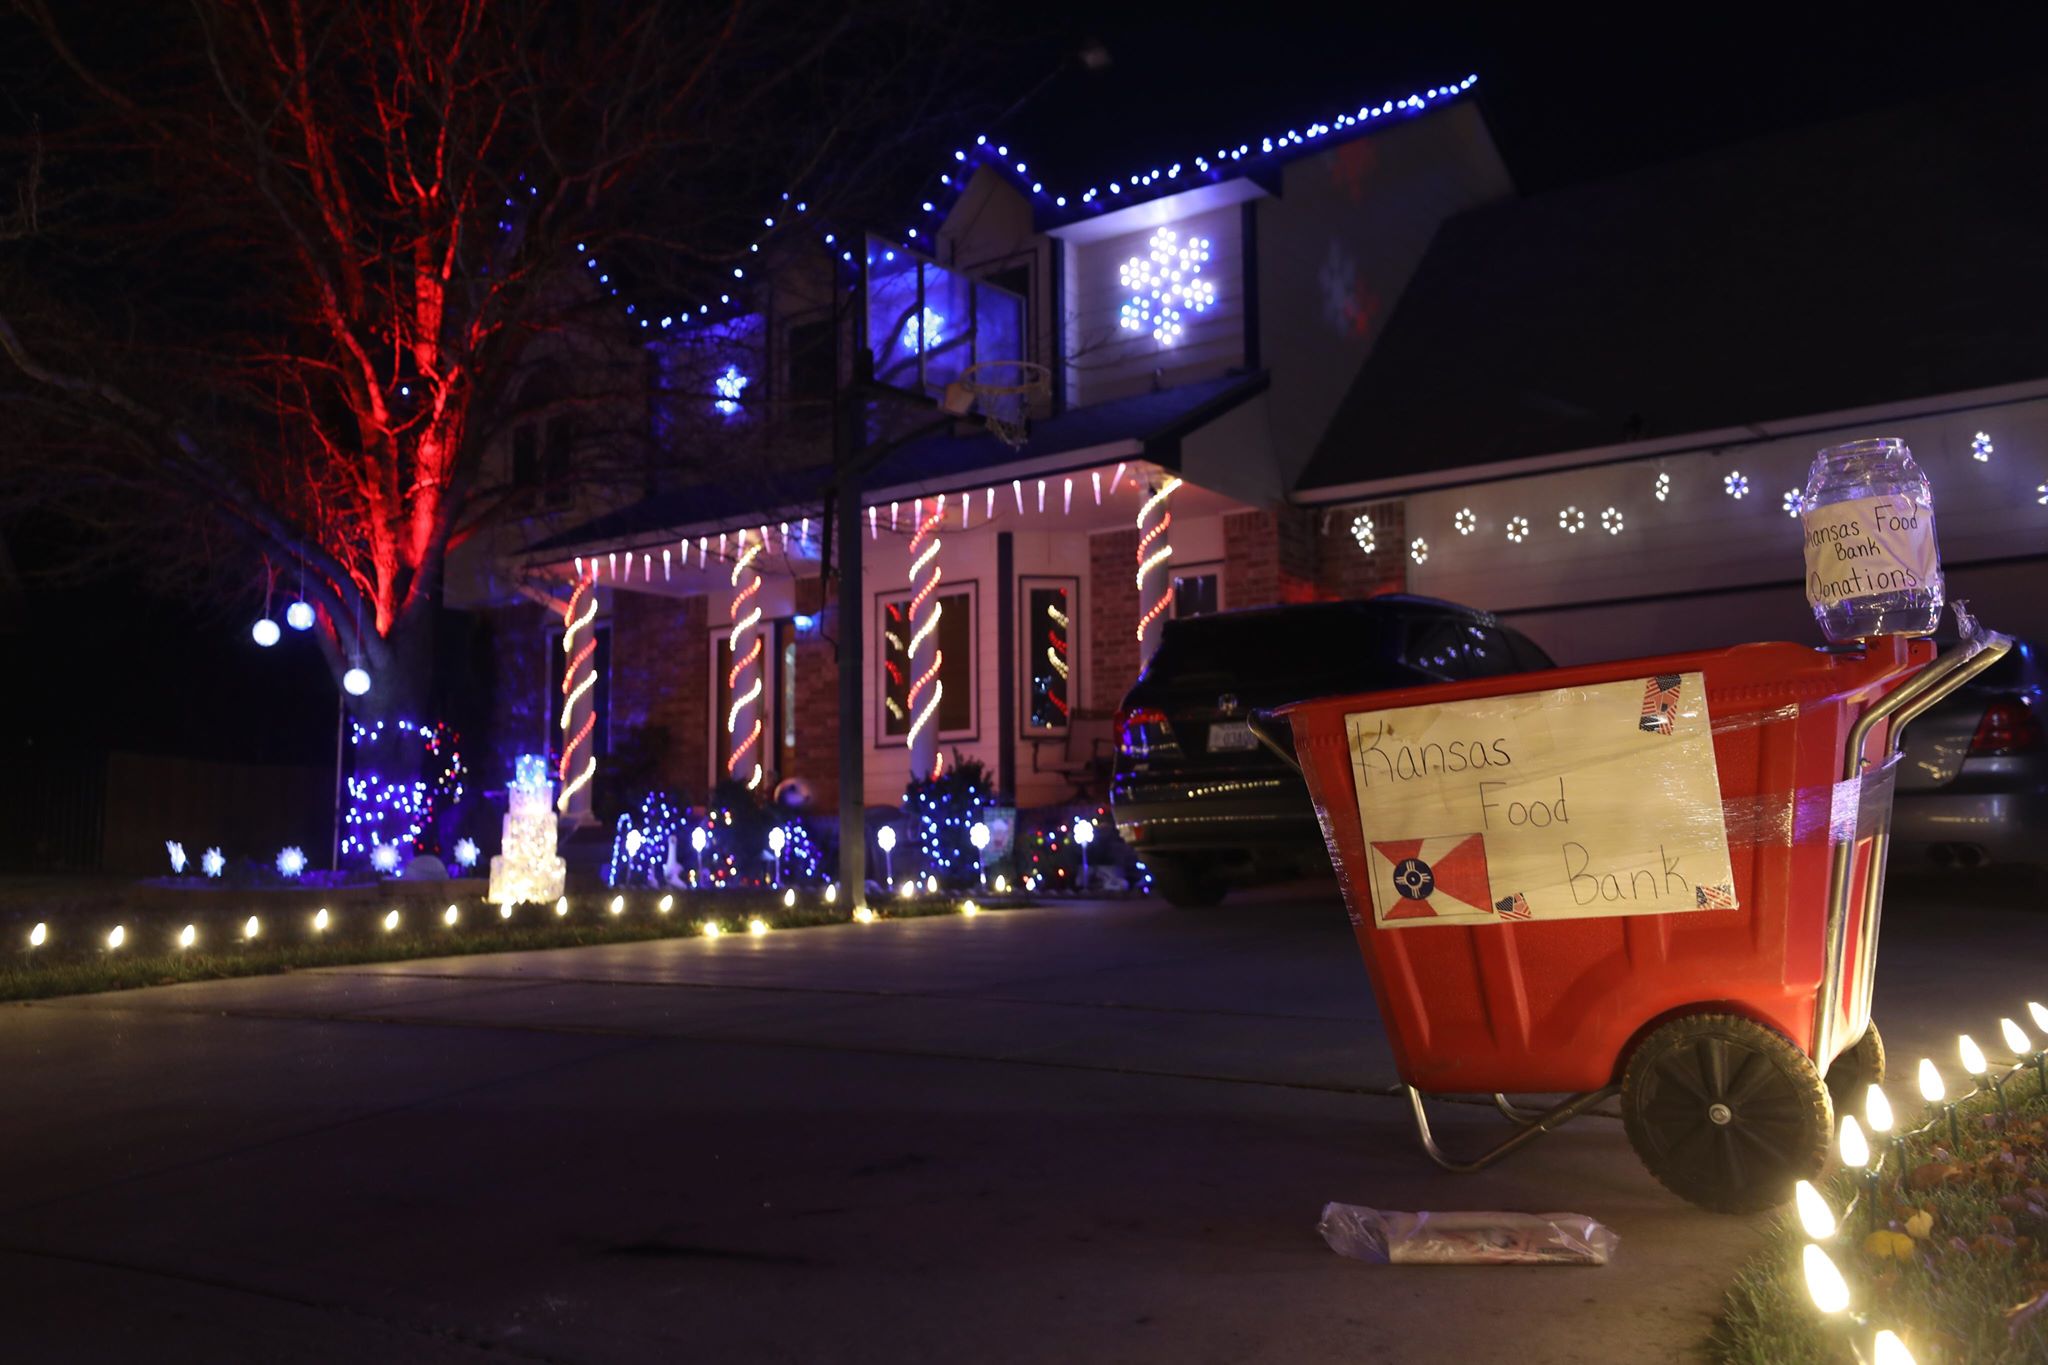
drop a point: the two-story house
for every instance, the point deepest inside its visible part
(1192, 328)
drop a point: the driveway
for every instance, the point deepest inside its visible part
(1097, 1131)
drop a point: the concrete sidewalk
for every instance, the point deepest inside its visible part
(1085, 1132)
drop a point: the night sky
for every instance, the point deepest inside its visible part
(1566, 103)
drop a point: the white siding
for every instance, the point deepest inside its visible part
(1107, 360)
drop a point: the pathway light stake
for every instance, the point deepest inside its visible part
(2039, 1013)
(978, 836)
(1878, 1117)
(2022, 1049)
(777, 841)
(1855, 1151)
(885, 839)
(1933, 1091)
(1974, 1063)
(1815, 1216)
(698, 838)
(1084, 835)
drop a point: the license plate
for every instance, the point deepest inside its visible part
(1231, 736)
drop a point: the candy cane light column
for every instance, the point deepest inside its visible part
(925, 656)
(579, 703)
(1155, 577)
(743, 679)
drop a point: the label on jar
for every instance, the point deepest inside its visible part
(1863, 547)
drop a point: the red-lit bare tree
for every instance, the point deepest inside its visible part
(278, 283)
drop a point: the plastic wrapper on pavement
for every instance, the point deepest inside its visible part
(1383, 1237)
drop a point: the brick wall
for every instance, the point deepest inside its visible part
(519, 680)
(660, 711)
(1343, 570)
(1269, 557)
(817, 721)
(1112, 617)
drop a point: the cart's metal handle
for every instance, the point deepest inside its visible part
(1265, 728)
(1902, 705)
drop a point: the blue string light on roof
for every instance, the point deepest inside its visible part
(1172, 177)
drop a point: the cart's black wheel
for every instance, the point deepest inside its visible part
(1725, 1112)
(1855, 1071)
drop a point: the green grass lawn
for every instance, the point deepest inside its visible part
(1955, 1259)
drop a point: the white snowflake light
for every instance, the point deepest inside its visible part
(1165, 285)
(1362, 532)
(2042, 491)
(933, 326)
(1663, 487)
(1794, 502)
(177, 852)
(730, 386)
(291, 861)
(1736, 484)
(1418, 550)
(213, 862)
(1571, 521)
(1465, 521)
(1518, 530)
(384, 857)
(466, 852)
(1611, 521)
(1981, 448)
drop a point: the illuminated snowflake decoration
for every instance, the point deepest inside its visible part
(1465, 521)
(1663, 487)
(730, 386)
(1981, 448)
(933, 327)
(1794, 502)
(1518, 530)
(213, 862)
(291, 861)
(1418, 550)
(1736, 484)
(1610, 521)
(1571, 521)
(1166, 285)
(1362, 532)
(177, 852)
(384, 857)
(466, 852)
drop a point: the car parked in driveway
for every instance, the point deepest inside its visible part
(1973, 777)
(1207, 807)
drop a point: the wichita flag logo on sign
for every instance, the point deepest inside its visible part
(1435, 879)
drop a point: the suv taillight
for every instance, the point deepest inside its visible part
(1145, 733)
(2009, 726)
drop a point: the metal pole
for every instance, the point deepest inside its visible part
(852, 608)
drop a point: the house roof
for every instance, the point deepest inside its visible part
(1147, 426)
(1881, 258)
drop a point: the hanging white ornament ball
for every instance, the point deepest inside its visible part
(299, 616)
(265, 632)
(355, 682)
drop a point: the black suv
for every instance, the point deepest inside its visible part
(1197, 796)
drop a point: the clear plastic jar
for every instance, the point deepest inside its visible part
(1872, 565)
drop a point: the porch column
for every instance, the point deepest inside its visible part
(579, 704)
(925, 658)
(743, 719)
(1155, 574)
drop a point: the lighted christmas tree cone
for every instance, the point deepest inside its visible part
(529, 869)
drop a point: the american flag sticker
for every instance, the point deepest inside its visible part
(1660, 703)
(1721, 897)
(1513, 907)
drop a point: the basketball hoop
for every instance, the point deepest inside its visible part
(1004, 391)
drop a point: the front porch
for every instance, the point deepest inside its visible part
(1037, 582)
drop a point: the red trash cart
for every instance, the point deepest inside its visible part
(1721, 1024)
